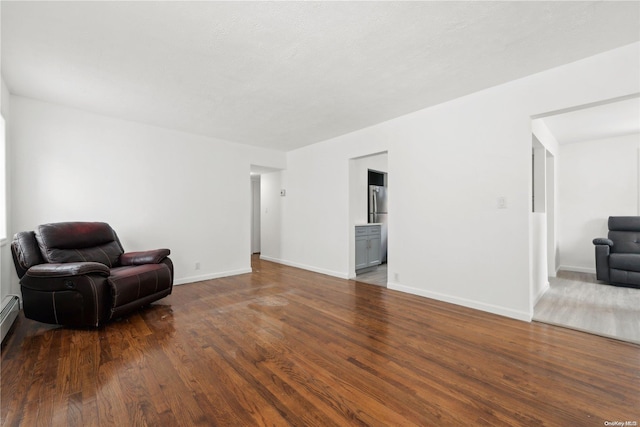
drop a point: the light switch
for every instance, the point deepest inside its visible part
(502, 202)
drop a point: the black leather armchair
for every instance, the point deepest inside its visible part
(77, 274)
(618, 256)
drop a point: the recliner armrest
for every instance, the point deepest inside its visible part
(602, 241)
(154, 256)
(602, 261)
(68, 269)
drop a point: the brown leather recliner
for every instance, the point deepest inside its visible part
(77, 274)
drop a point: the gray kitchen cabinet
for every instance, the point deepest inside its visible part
(368, 250)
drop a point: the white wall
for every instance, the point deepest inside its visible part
(314, 215)
(314, 212)
(538, 223)
(156, 187)
(549, 231)
(539, 270)
(449, 165)
(552, 213)
(597, 179)
(6, 262)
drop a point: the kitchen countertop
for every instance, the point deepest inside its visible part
(371, 223)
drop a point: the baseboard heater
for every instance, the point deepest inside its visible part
(9, 312)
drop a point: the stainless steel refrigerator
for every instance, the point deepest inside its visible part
(378, 214)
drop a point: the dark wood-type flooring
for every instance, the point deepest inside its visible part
(284, 346)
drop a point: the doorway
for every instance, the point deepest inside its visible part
(264, 218)
(597, 147)
(359, 204)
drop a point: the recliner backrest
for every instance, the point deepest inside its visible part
(79, 241)
(624, 231)
(25, 252)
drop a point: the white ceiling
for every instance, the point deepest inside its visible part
(287, 74)
(599, 122)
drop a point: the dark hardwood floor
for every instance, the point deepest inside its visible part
(284, 346)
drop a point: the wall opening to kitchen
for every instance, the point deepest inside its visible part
(368, 207)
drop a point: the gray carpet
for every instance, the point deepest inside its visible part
(577, 301)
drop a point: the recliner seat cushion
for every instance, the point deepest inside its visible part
(625, 278)
(627, 262)
(79, 242)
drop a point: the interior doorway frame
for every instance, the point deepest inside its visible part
(358, 213)
(552, 201)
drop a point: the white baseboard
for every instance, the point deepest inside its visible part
(192, 279)
(502, 311)
(306, 267)
(577, 269)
